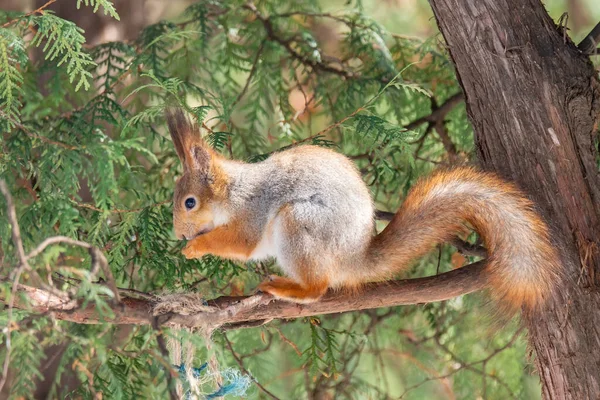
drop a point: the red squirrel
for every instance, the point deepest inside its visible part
(309, 208)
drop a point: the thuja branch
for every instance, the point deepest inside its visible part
(287, 45)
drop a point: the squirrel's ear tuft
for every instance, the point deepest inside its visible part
(191, 149)
(178, 128)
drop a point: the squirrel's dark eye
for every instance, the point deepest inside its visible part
(190, 203)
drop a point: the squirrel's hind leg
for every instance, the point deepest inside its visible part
(294, 230)
(290, 290)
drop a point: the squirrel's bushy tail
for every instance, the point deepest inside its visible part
(522, 265)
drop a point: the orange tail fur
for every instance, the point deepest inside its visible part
(523, 266)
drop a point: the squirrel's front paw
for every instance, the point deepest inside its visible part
(190, 251)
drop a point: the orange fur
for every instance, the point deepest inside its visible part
(204, 178)
(200, 217)
(312, 280)
(523, 266)
(220, 180)
(288, 289)
(427, 218)
(226, 241)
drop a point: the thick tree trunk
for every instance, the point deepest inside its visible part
(533, 100)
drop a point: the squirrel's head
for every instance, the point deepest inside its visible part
(203, 182)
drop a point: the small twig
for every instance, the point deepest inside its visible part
(78, 365)
(99, 259)
(162, 346)
(122, 291)
(589, 45)
(288, 341)
(118, 210)
(384, 215)
(429, 160)
(449, 146)
(39, 10)
(468, 249)
(18, 243)
(563, 25)
(54, 240)
(44, 139)
(342, 19)
(245, 325)
(437, 113)
(245, 371)
(12, 218)
(251, 74)
(314, 64)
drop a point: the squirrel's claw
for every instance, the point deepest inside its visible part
(266, 285)
(190, 252)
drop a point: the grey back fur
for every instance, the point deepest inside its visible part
(333, 213)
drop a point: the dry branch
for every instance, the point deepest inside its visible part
(234, 312)
(589, 45)
(438, 113)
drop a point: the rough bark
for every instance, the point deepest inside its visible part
(533, 100)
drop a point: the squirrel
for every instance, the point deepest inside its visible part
(308, 207)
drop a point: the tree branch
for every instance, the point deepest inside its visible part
(437, 113)
(39, 10)
(162, 346)
(271, 35)
(589, 44)
(240, 311)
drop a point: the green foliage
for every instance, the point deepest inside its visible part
(27, 355)
(86, 154)
(12, 54)
(63, 41)
(323, 349)
(109, 8)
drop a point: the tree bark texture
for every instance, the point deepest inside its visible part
(533, 100)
